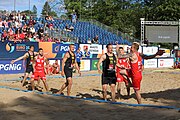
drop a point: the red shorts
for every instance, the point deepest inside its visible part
(120, 77)
(38, 75)
(136, 82)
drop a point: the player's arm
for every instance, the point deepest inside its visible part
(133, 57)
(45, 66)
(102, 58)
(66, 56)
(20, 58)
(33, 63)
(77, 68)
(160, 52)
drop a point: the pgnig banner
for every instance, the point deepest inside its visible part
(11, 50)
(7, 68)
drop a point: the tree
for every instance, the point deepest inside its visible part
(47, 10)
(34, 10)
(27, 12)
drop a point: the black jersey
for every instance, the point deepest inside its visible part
(70, 61)
(109, 66)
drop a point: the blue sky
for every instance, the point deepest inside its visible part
(21, 5)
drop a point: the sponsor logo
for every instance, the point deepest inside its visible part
(9, 47)
(22, 47)
(59, 48)
(10, 67)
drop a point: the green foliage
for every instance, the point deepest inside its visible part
(125, 15)
(47, 10)
(27, 12)
(34, 10)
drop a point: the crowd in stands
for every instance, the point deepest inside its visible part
(19, 27)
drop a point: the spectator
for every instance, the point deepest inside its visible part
(73, 17)
(146, 41)
(40, 32)
(95, 40)
(32, 29)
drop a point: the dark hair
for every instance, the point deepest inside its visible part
(108, 45)
(31, 46)
(40, 49)
(121, 48)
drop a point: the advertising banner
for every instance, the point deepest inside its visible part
(94, 65)
(150, 50)
(7, 68)
(92, 48)
(11, 50)
(61, 48)
(169, 62)
(151, 63)
(85, 65)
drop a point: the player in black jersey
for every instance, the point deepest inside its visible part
(108, 73)
(29, 56)
(68, 63)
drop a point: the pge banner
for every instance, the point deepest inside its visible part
(62, 48)
(11, 50)
(7, 68)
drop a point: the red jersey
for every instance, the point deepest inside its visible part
(123, 62)
(136, 68)
(39, 66)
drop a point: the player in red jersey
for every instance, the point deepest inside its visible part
(56, 67)
(122, 68)
(136, 68)
(39, 70)
(48, 67)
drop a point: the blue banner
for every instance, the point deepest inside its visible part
(11, 50)
(7, 68)
(62, 48)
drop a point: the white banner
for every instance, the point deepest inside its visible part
(85, 65)
(126, 48)
(165, 62)
(92, 48)
(150, 50)
(151, 63)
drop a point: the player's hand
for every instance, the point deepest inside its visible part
(62, 73)
(100, 71)
(160, 52)
(12, 62)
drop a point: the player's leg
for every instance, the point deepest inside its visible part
(32, 83)
(119, 89)
(138, 96)
(104, 91)
(24, 79)
(45, 85)
(69, 85)
(113, 92)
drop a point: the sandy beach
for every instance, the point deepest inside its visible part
(159, 87)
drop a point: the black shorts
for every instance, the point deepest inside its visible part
(79, 64)
(68, 72)
(29, 69)
(108, 80)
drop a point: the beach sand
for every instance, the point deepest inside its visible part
(158, 87)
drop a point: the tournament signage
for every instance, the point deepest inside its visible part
(92, 48)
(94, 65)
(61, 48)
(169, 62)
(11, 50)
(7, 68)
(151, 63)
